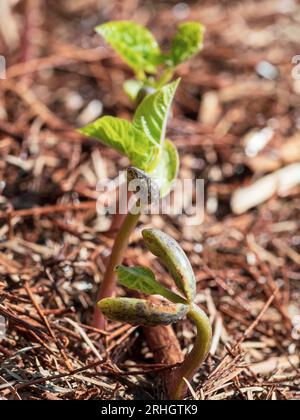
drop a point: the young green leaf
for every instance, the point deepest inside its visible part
(143, 280)
(126, 139)
(187, 42)
(135, 44)
(151, 116)
(142, 312)
(166, 172)
(174, 258)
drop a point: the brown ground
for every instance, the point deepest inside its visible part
(52, 259)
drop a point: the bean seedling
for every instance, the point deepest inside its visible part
(139, 49)
(143, 141)
(146, 313)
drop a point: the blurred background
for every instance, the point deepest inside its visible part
(236, 124)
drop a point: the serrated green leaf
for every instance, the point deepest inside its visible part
(143, 280)
(135, 44)
(132, 88)
(151, 116)
(166, 172)
(174, 258)
(127, 139)
(187, 42)
(142, 312)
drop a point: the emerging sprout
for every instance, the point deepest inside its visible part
(146, 313)
(143, 140)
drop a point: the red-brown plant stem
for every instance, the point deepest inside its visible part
(32, 18)
(117, 223)
(118, 218)
(109, 282)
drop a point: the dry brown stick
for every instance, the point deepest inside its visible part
(9, 222)
(37, 107)
(20, 310)
(12, 266)
(269, 288)
(232, 355)
(38, 309)
(4, 351)
(255, 323)
(123, 329)
(64, 57)
(120, 340)
(220, 282)
(59, 208)
(18, 321)
(136, 372)
(60, 376)
(47, 324)
(85, 368)
(12, 389)
(61, 328)
(39, 340)
(243, 320)
(278, 298)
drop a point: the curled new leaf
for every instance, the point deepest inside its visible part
(143, 280)
(132, 88)
(127, 139)
(142, 312)
(187, 42)
(172, 255)
(137, 90)
(135, 44)
(152, 115)
(167, 169)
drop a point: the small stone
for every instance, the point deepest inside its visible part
(73, 101)
(181, 11)
(256, 141)
(198, 248)
(91, 112)
(267, 70)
